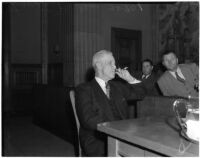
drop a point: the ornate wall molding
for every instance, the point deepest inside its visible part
(127, 8)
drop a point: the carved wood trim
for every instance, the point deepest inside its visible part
(25, 75)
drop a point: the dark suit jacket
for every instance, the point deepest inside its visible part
(150, 84)
(170, 86)
(93, 107)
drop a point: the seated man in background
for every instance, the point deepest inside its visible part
(102, 100)
(179, 79)
(148, 78)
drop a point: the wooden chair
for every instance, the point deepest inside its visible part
(72, 98)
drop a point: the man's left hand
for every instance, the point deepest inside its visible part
(124, 74)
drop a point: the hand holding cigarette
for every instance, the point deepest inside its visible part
(119, 69)
(124, 74)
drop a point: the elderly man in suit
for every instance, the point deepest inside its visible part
(179, 79)
(102, 100)
(148, 78)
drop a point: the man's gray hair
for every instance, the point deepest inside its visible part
(98, 56)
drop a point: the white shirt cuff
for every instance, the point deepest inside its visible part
(135, 81)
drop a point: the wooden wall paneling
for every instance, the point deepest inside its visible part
(155, 37)
(26, 75)
(44, 42)
(67, 39)
(23, 78)
(60, 43)
(6, 53)
(55, 73)
(25, 33)
(87, 29)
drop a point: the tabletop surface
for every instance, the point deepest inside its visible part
(158, 134)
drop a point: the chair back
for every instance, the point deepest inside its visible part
(72, 98)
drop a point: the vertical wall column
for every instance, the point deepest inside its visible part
(155, 35)
(44, 42)
(87, 38)
(6, 56)
(67, 43)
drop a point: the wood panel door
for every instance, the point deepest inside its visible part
(126, 46)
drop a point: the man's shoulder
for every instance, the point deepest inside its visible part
(118, 83)
(163, 76)
(153, 75)
(138, 75)
(85, 85)
(188, 65)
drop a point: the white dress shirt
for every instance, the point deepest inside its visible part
(102, 83)
(179, 73)
(145, 76)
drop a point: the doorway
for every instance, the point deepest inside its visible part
(126, 46)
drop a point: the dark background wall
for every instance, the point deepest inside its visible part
(135, 19)
(25, 33)
(53, 43)
(48, 47)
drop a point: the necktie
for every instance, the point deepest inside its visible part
(144, 77)
(179, 78)
(107, 90)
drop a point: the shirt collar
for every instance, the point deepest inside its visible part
(100, 81)
(146, 76)
(177, 70)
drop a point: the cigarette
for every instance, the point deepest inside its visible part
(117, 70)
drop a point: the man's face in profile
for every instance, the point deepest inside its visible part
(108, 67)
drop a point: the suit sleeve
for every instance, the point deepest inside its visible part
(133, 91)
(88, 114)
(163, 87)
(195, 70)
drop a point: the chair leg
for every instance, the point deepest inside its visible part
(80, 151)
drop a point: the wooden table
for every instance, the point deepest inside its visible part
(147, 137)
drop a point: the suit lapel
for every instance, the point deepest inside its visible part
(102, 99)
(185, 73)
(117, 99)
(98, 89)
(140, 76)
(171, 76)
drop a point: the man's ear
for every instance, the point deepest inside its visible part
(98, 65)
